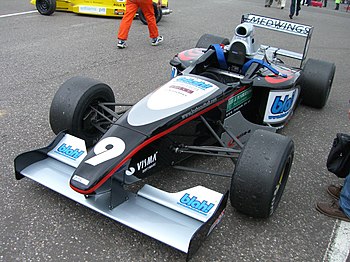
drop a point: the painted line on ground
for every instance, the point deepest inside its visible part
(339, 244)
(22, 13)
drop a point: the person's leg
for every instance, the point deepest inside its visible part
(283, 4)
(298, 7)
(268, 3)
(292, 9)
(148, 11)
(344, 200)
(337, 2)
(278, 3)
(125, 24)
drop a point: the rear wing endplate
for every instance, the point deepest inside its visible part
(284, 27)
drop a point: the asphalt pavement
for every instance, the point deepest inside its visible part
(38, 53)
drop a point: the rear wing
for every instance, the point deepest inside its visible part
(284, 27)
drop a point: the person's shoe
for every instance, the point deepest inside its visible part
(282, 7)
(290, 16)
(332, 210)
(297, 12)
(334, 191)
(156, 40)
(121, 44)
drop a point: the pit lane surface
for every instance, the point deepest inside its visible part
(39, 53)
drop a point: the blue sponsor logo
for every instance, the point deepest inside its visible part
(281, 107)
(197, 83)
(67, 151)
(192, 203)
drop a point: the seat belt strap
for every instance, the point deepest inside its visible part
(220, 56)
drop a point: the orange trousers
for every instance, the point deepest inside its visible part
(131, 8)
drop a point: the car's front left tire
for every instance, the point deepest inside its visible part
(261, 174)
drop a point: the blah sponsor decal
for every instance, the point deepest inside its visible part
(192, 202)
(70, 150)
(280, 105)
(194, 82)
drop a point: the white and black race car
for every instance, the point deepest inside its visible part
(227, 99)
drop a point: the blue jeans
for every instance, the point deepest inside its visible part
(344, 200)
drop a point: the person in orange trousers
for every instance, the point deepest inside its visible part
(131, 8)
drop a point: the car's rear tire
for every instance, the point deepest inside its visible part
(207, 39)
(46, 7)
(316, 82)
(157, 13)
(261, 174)
(71, 108)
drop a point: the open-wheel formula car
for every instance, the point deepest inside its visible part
(114, 8)
(224, 102)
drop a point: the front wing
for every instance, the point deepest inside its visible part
(176, 219)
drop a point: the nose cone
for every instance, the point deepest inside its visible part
(113, 150)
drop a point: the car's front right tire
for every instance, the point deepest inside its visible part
(72, 108)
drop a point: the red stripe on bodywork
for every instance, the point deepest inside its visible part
(150, 140)
(277, 79)
(189, 55)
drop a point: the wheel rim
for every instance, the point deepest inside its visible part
(281, 184)
(330, 82)
(43, 5)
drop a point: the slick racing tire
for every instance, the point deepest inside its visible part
(207, 39)
(261, 174)
(157, 13)
(46, 7)
(316, 82)
(71, 108)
